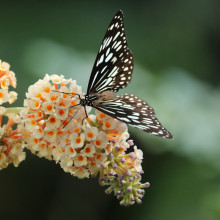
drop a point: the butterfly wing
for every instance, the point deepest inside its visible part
(135, 112)
(114, 63)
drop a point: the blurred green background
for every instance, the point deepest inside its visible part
(176, 47)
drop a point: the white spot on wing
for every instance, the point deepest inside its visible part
(116, 35)
(108, 57)
(114, 59)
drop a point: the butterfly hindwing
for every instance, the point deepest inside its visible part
(135, 112)
(113, 66)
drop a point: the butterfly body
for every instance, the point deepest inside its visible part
(88, 100)
(111, 72)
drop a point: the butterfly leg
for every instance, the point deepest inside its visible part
(71, 117)
(86, 114)
(73, 106)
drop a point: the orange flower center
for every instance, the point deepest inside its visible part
(98, 156)
(102, 115)
(53, 98)
(64, 95)
(87, 150)
(80, 158)
(1, 94)
(62, 104)
(90, 135)
(98, 142)
(78, 140)
(49, 107)
(93, 164)
(42, 146)
(35, 141)
(3, 83)
(77, 130)
(47, 89)
(73, 102)
(37, 104)
(71, 111)
(59, 132)
(107, 124)
(40, 130)
(50, 133)
(39, 114)
(39, 95)
(52, 120)
(33, 122)
(71, 150)
(61, 112)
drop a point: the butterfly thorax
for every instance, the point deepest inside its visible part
(88, 100)
(93, 99)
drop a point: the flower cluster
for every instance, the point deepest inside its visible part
(91, 147)
(7, 78)
(11, 140)
(11, 145)
(54, 125)
(121, 172)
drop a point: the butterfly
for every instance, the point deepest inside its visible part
(112, 71)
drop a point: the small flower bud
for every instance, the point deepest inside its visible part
(103, 165)
(130, 142)
(108, 191)
(111, 173)
(132, 199)
(147, 184)
(123, 159)
(138, 201)
(129, 189)
(117, 148)
(131, 179)
(110, 155)
(128, 172)
(140, 196)
(117, 193)
(115, 166)
(132, 155)
(123, 181)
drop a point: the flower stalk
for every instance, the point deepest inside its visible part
(15, 110)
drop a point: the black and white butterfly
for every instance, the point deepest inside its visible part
(112, 71)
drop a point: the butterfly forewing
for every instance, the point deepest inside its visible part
(135, 112)
(114, 63)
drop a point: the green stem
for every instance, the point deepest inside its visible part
(13, 110)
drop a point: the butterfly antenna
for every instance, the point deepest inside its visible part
(68, 93)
